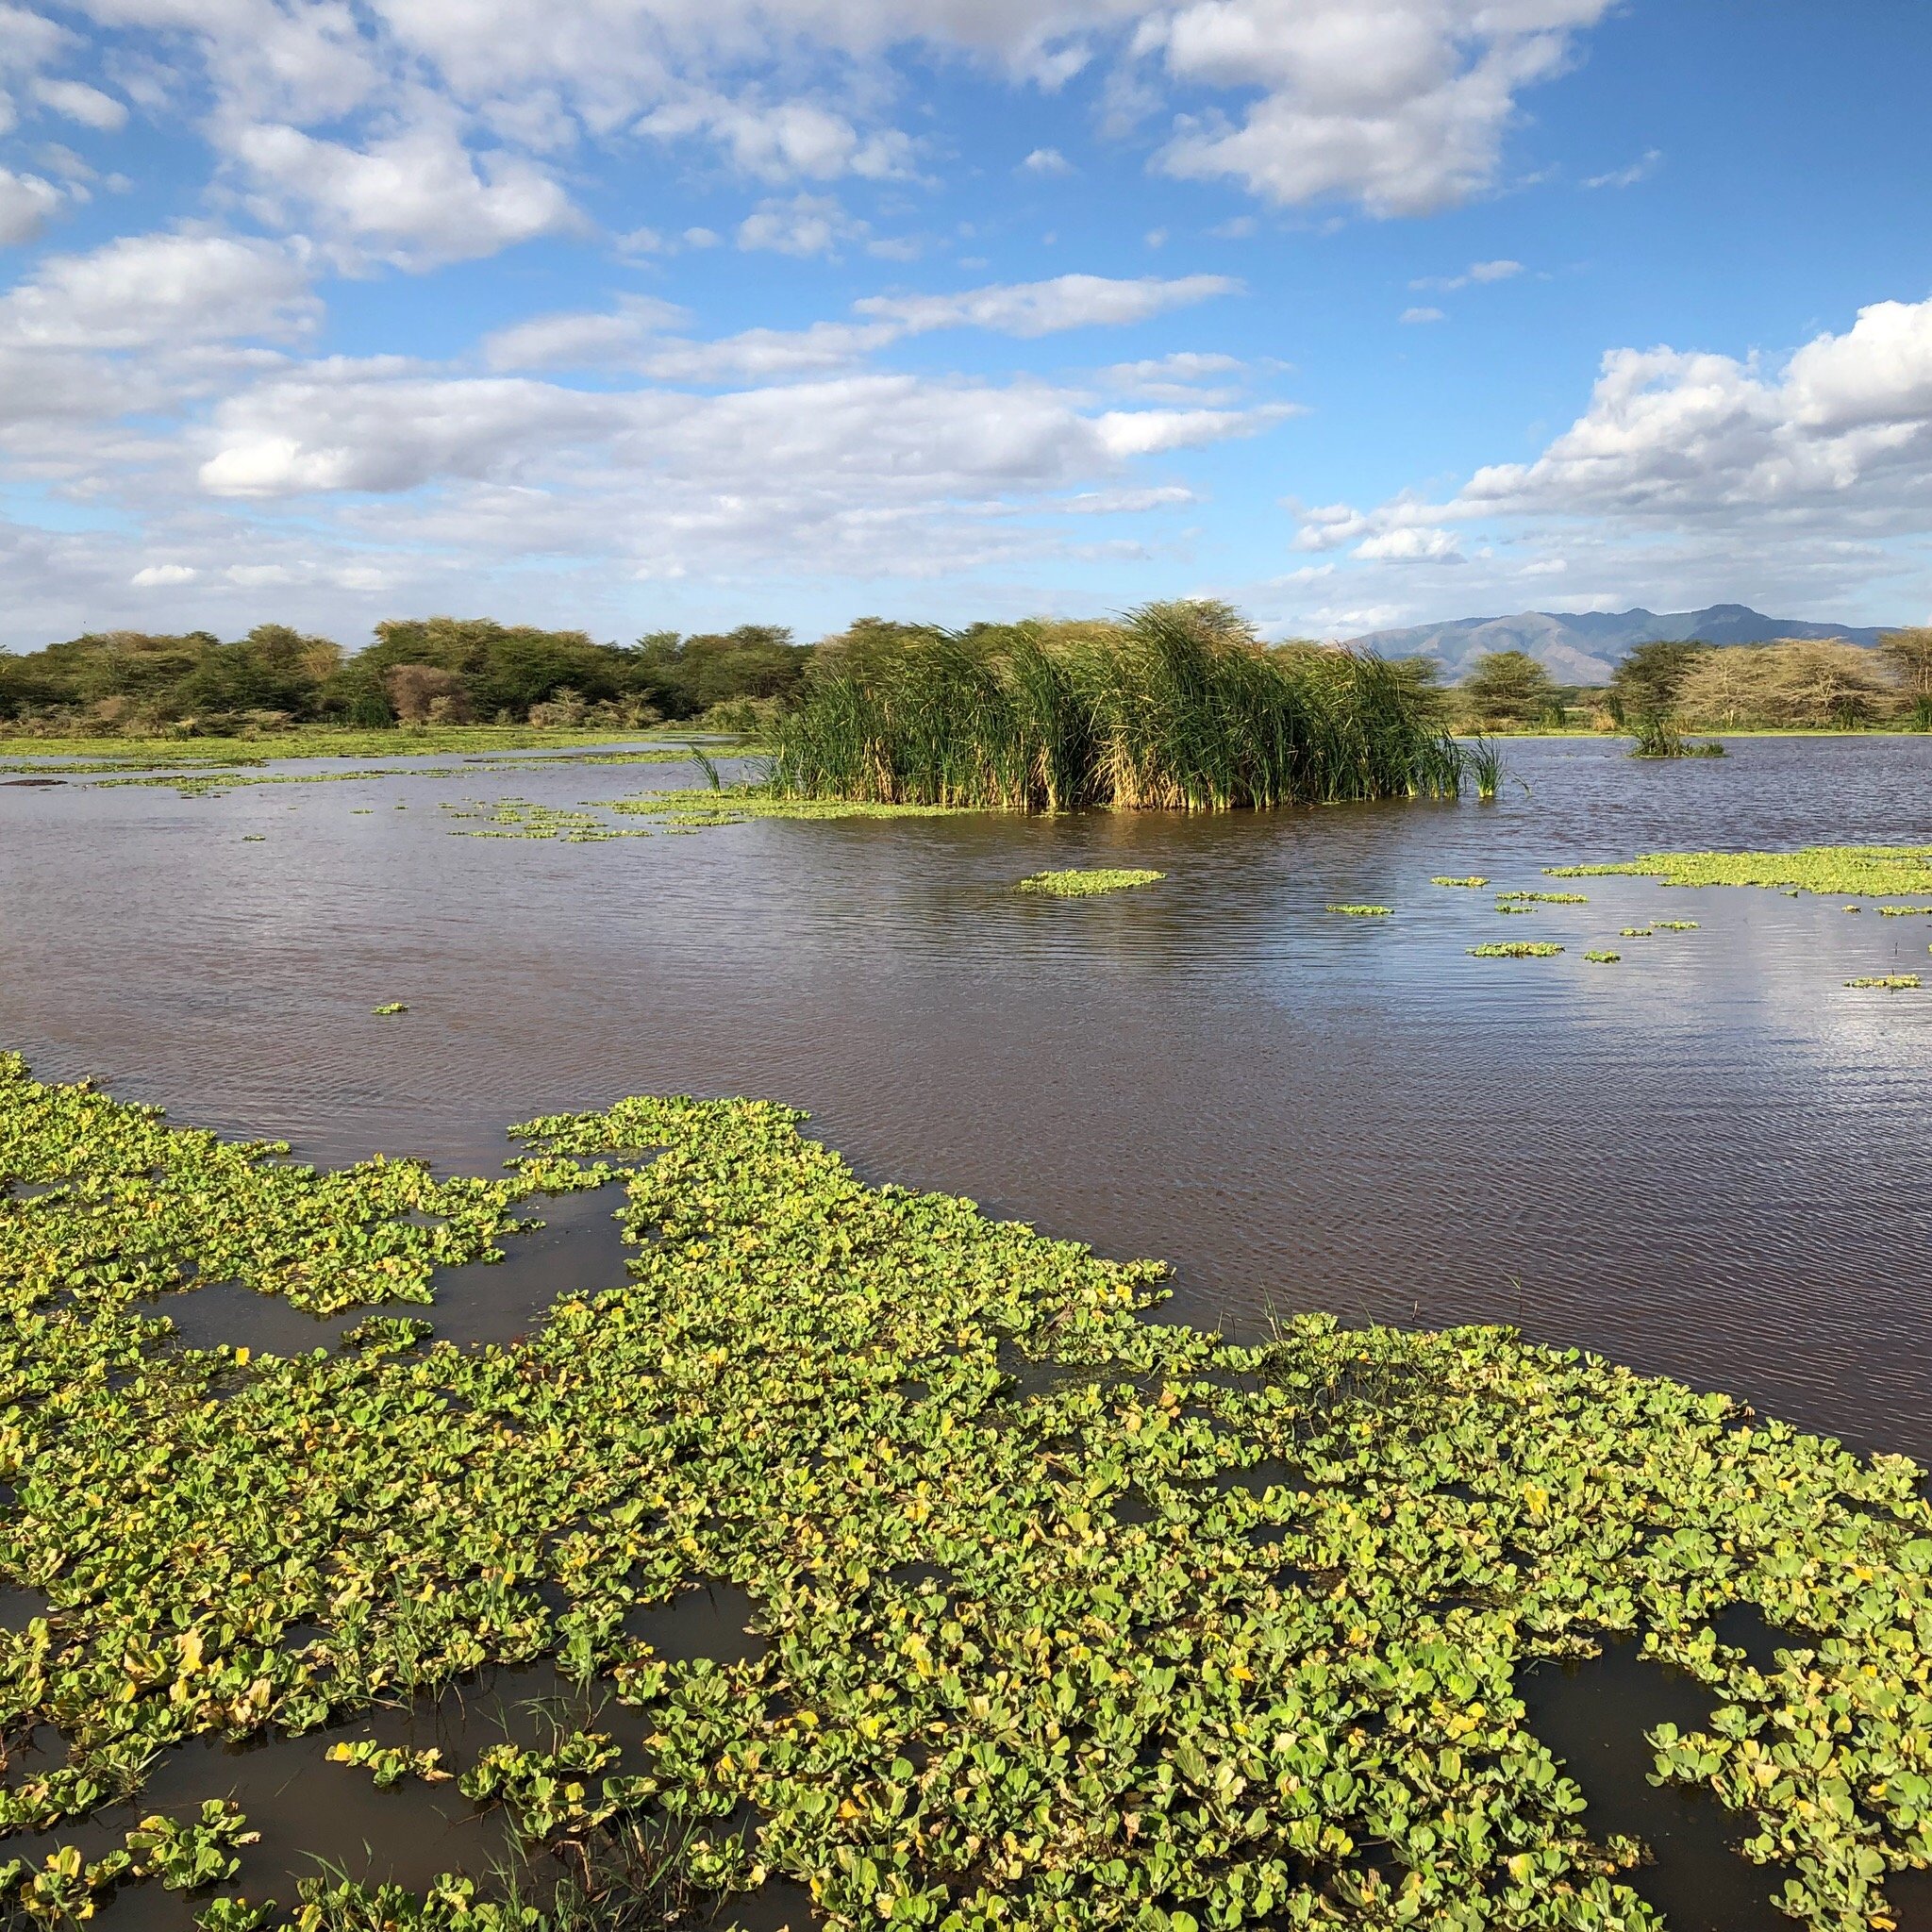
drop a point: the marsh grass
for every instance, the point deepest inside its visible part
(1164, 712)
(1484, 760)
(1075, 883)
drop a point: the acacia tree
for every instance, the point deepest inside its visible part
(1510, 687)
(1651, 678)
(1910, 654)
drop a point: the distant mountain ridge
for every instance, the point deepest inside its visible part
(1583, 647)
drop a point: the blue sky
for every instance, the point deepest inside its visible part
(1358, 312)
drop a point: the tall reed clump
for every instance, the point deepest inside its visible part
(1179, 708)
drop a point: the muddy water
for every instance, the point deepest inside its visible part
(1711, 1159)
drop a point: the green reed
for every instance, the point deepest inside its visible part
(1161, 713)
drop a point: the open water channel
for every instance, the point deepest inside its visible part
(1711, 1159)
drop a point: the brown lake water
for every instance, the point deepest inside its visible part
(1711, 1160)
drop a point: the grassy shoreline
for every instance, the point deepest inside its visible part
(428, 741)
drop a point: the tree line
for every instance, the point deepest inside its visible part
(447, 670)
(1814, 683)
(437, 670)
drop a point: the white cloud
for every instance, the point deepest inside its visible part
(145, 292)
(1476, 272)
(1046, 161)
(80, 102)
(27, 202)
(1705, 468)
(159, 576)
(1398, 105)
(1186, 375)
(805, 225)
(1401, 105)
(1410, 544)
(784, 141)
(1038, 308)
(415, 199)
(1639, 170)
(1420, 315)
(638, 334)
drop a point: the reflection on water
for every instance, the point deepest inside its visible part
(1711, 1159)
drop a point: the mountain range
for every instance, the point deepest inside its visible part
(1583, 647)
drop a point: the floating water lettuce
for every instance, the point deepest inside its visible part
(1876, 870)
(1077, 883)
(1516, 949)
(1174, 1635)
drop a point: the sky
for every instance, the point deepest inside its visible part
(630, 315)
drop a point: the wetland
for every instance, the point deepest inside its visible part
(769, 1539)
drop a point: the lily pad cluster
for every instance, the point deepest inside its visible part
(1070, 1620)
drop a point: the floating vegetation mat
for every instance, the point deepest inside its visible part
(1878, 871)
(389, 1007)
(1364, 911)
(1516, 949)
(1902, 911)
(1075, 883)
(517, 818)
(1543, 898)
(1891, 982)
(1474, 879)
(1602, 958)
(1159, 1634)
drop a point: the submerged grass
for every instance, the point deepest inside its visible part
(1031, 1667)
(1075, 883)
(1876, 870)
(1164, 712)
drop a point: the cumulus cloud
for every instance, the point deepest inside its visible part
(1398, 105)
(416, 199)
(1046, 161)
(1413, 316)
(804, 225)
(27, 202)
(784, 141)
(160, 576)
(1804, 470)
(80, 102)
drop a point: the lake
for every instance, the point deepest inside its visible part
(1711, 1159)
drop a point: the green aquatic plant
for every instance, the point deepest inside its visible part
(1483, 759)
(737, 805)
(1475, 879)
(1184, 1635)
(390, 1007)
(1174, 709)
(1603, 958)
(1082, 884)
(1674, 926)
(1634, 932)
(1902, 911)
(1364, 911)
(1515, 949)
(1891, 982)
(1543, 898)
(1876, 870)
